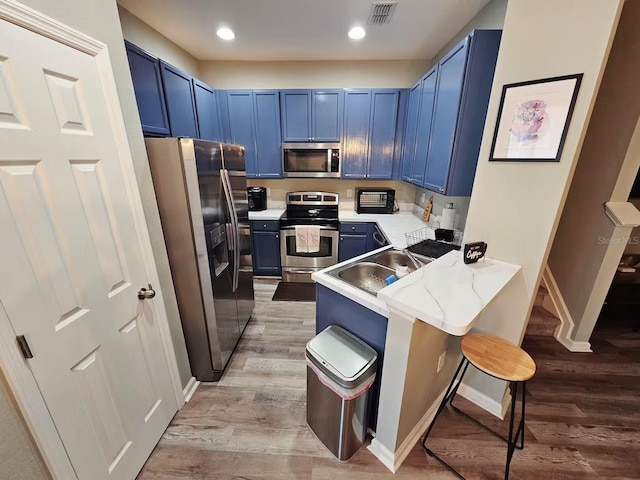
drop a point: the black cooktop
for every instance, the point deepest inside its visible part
(432, 248)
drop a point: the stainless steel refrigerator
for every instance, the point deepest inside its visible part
(201, 189)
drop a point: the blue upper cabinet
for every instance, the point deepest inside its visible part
(423, 130)
(241, 126)
(445, 117)
(207, 111)
(267, 129)
(370, 118)
(295, 106)
(357, 119)
(311, 115)
(178, 92)
(252, 118)
(410, 131)
(147, 85)
(326, 115)
(382, 136)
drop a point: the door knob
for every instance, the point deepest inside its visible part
(146, 293)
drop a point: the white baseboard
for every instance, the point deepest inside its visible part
(382, 453)
(190, 389)
(574, 346)
(565, 330)
(499, 409)
(393, 460)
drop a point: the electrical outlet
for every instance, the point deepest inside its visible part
(441, 358)
(349, 193)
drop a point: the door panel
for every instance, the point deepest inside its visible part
(71, 260)
(207, 112)
(351, 246)
(267, 117)
(445, 117)
(384, 113)
(423, 132)
(357, 116)
(326, 111)
(147, 85)
(241, 125)
(266, 247)
(411, 127)
(295, 106)
(178, 92)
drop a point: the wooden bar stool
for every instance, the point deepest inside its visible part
(498, 358)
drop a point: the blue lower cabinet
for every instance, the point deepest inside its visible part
(335, 309)
(266, 252)
(375, 238)
(351, 246)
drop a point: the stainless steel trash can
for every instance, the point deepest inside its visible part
(340, 371)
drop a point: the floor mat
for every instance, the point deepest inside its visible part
(295, 292)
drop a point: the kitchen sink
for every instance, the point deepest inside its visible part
(393, 258)
(366, 276)
(369, 274)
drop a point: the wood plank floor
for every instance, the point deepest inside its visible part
(583, 415)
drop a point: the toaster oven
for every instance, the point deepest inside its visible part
(375, 200)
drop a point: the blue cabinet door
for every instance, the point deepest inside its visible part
(445, 117)
(295, 108)
(326, 115)
(207, 111)
(382, 136)
(357, 115)
(241, 126)
(410, 129)
(423, 131)
(178, 93)
(267, 129)
(351, 246)
(147, 85)
(266, 253)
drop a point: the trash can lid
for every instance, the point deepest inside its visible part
(342, 356)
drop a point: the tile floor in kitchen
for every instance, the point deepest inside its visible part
(583, 415)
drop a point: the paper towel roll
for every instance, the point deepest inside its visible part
(448, 218)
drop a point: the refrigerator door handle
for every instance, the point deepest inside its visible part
(226, 183)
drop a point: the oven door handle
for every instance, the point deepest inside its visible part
(321, 228)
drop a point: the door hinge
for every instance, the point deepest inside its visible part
(24, 346)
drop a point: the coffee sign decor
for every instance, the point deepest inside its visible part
(474, 251)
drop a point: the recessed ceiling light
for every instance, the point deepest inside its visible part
(357, 33)
(226, 33)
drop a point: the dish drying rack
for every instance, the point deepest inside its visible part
(418, 236)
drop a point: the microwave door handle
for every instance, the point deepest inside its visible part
(328, 160)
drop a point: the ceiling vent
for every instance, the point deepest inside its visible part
(381, 13)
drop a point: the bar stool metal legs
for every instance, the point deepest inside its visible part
(511, 440)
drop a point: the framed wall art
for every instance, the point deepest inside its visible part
(533, 119)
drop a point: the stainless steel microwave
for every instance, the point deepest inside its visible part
(311, 160)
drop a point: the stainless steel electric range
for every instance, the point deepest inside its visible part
(308, 208)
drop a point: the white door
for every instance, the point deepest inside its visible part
(70, 261)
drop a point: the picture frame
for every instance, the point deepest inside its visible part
(533, 119)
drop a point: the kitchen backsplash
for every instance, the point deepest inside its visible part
(461, 204)
(277, 189)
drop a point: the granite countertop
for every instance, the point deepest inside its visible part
(447, 293)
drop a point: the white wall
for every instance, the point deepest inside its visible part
(145, 37)
(515, 207)
(581, 262)
(324, 74)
